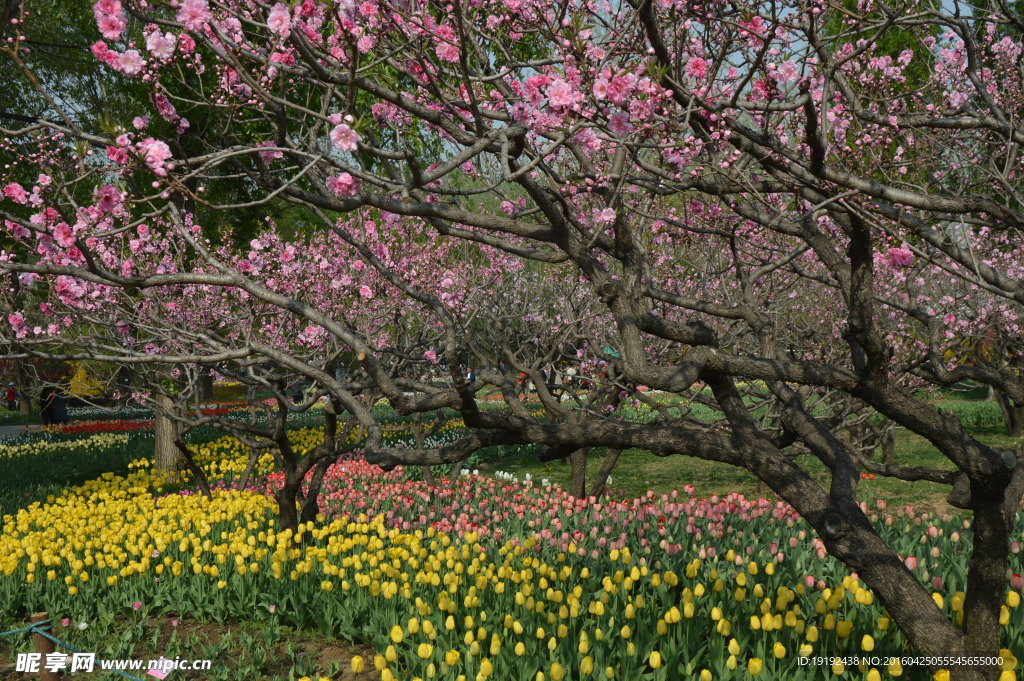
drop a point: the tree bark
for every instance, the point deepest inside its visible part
(24, 381)
(166, 456)
(205, 385)
(1013, 415)
(287, 514)
(610, 459)
(578, 482)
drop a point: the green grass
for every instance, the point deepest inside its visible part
(14, 418)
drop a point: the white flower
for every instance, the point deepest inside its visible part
(83, 625)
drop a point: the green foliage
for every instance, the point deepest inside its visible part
(975, 414)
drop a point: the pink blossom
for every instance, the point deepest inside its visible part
(560, 93)
(111, 26)
(343, 185)
(194, 13)
(117, 155)
(446, 49)
(64, 235)
(366, 292)
(606, 216)
(786, 72)
(108, 198)
(100, 50)
(696, 68)
(1017, 582)
(155, 153)
(137, 605)
(165, 108)
(161, 46)
(620, 88)
(620, 125)
(911, 563)
(109, 18)
(140, 122)
(430, 356)
(279, 21)
(901, 256)
(130, 63)
(365, 43)
(15, 192)
(344, 138)
(16, 320)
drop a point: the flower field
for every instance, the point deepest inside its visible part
(491, 577)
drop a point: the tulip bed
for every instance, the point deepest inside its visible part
(486, 577)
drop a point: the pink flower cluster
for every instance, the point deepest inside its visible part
(109, 18)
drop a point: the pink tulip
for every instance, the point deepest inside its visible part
(911, 563)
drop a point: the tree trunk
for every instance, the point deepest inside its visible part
(166, 456)
(610, 459)
(287, 515)
(888, 448)
(25, 402)
(1013, 415)
(205, 385)
(578, 483)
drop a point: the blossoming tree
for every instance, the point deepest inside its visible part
(770, 214)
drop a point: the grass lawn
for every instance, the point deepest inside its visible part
(637, 472)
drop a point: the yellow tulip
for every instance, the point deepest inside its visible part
(396, 634)
(557, 673)
(779, 650)
(754, 665)
(358, 664)
(655, 660)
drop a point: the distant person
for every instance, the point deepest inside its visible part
(471, 376)
(46, 405)
(12, 397)
(60, 407)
